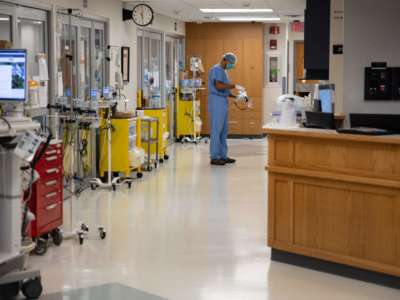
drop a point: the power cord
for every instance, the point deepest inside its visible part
(7, 122)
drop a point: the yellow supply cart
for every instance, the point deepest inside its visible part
(125, 137)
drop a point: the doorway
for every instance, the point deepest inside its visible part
(299, 73)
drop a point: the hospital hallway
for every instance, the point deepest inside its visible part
(187, 231)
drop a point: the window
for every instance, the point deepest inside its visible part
(32, 37)
(5, 28)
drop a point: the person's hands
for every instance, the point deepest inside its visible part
(233, 96)
(239, 87)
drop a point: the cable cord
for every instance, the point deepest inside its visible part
(7, 122)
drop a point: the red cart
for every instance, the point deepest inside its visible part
(46, 201)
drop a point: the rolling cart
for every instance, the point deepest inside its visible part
(108, 128)
(149, 126)
(46, 201)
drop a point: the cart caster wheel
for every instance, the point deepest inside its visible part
(81, 238)
(102, 233)
(93, 186)
(139, 175)
(114, 187)
(57, 237)
(32, 288)
(166, 157)
(155, 166)
(9, 291)
(84, 227)
(161, 161)
(41, 247)
(129, 185)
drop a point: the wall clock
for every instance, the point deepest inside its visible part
(142, 15)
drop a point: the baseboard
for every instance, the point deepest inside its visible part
(336, 269)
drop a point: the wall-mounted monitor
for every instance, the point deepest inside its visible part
(13, 82)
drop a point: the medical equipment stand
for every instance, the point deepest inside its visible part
(111, 182)
(13, 273)
(82, 232)
(195, 139)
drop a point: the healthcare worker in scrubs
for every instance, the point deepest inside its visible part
(219, 89)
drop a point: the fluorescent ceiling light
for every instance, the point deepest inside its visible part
(247, 19)
(235, 10)
(4, 19)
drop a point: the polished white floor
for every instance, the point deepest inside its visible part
(191, 231)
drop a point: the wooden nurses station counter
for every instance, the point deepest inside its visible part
(334, 202)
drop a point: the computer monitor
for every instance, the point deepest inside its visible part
(326, 97)
(13, 82)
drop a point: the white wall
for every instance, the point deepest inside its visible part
(371, 33)
(273, 91)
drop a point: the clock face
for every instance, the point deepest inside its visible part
(142, 15)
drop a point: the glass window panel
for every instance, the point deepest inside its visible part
(67, 67)
(168, 66)
(84, 63)
(139, 62)
(155, 73)
(5, 28)
(32, 36)
(99, 68)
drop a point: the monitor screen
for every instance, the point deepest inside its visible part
(326, 95)
(12, 75)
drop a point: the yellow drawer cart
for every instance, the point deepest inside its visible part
(124, 137)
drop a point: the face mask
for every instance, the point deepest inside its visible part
(230, 66)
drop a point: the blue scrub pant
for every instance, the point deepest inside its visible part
(218, 110)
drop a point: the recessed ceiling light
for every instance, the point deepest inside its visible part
(248, 19)
(235, 10)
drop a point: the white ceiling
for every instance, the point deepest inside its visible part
(188, 10)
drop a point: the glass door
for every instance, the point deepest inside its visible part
(99, 66)
(171, 80)
(150, 69)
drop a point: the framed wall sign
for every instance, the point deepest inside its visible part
(273, 69)
(125, 62)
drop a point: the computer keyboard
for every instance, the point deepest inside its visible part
(365, 131)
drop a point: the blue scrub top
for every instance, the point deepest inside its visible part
(217, 73)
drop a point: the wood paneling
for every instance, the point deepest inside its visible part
(253, 73)
(299, 61)
(210, 41)
(328, 204)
